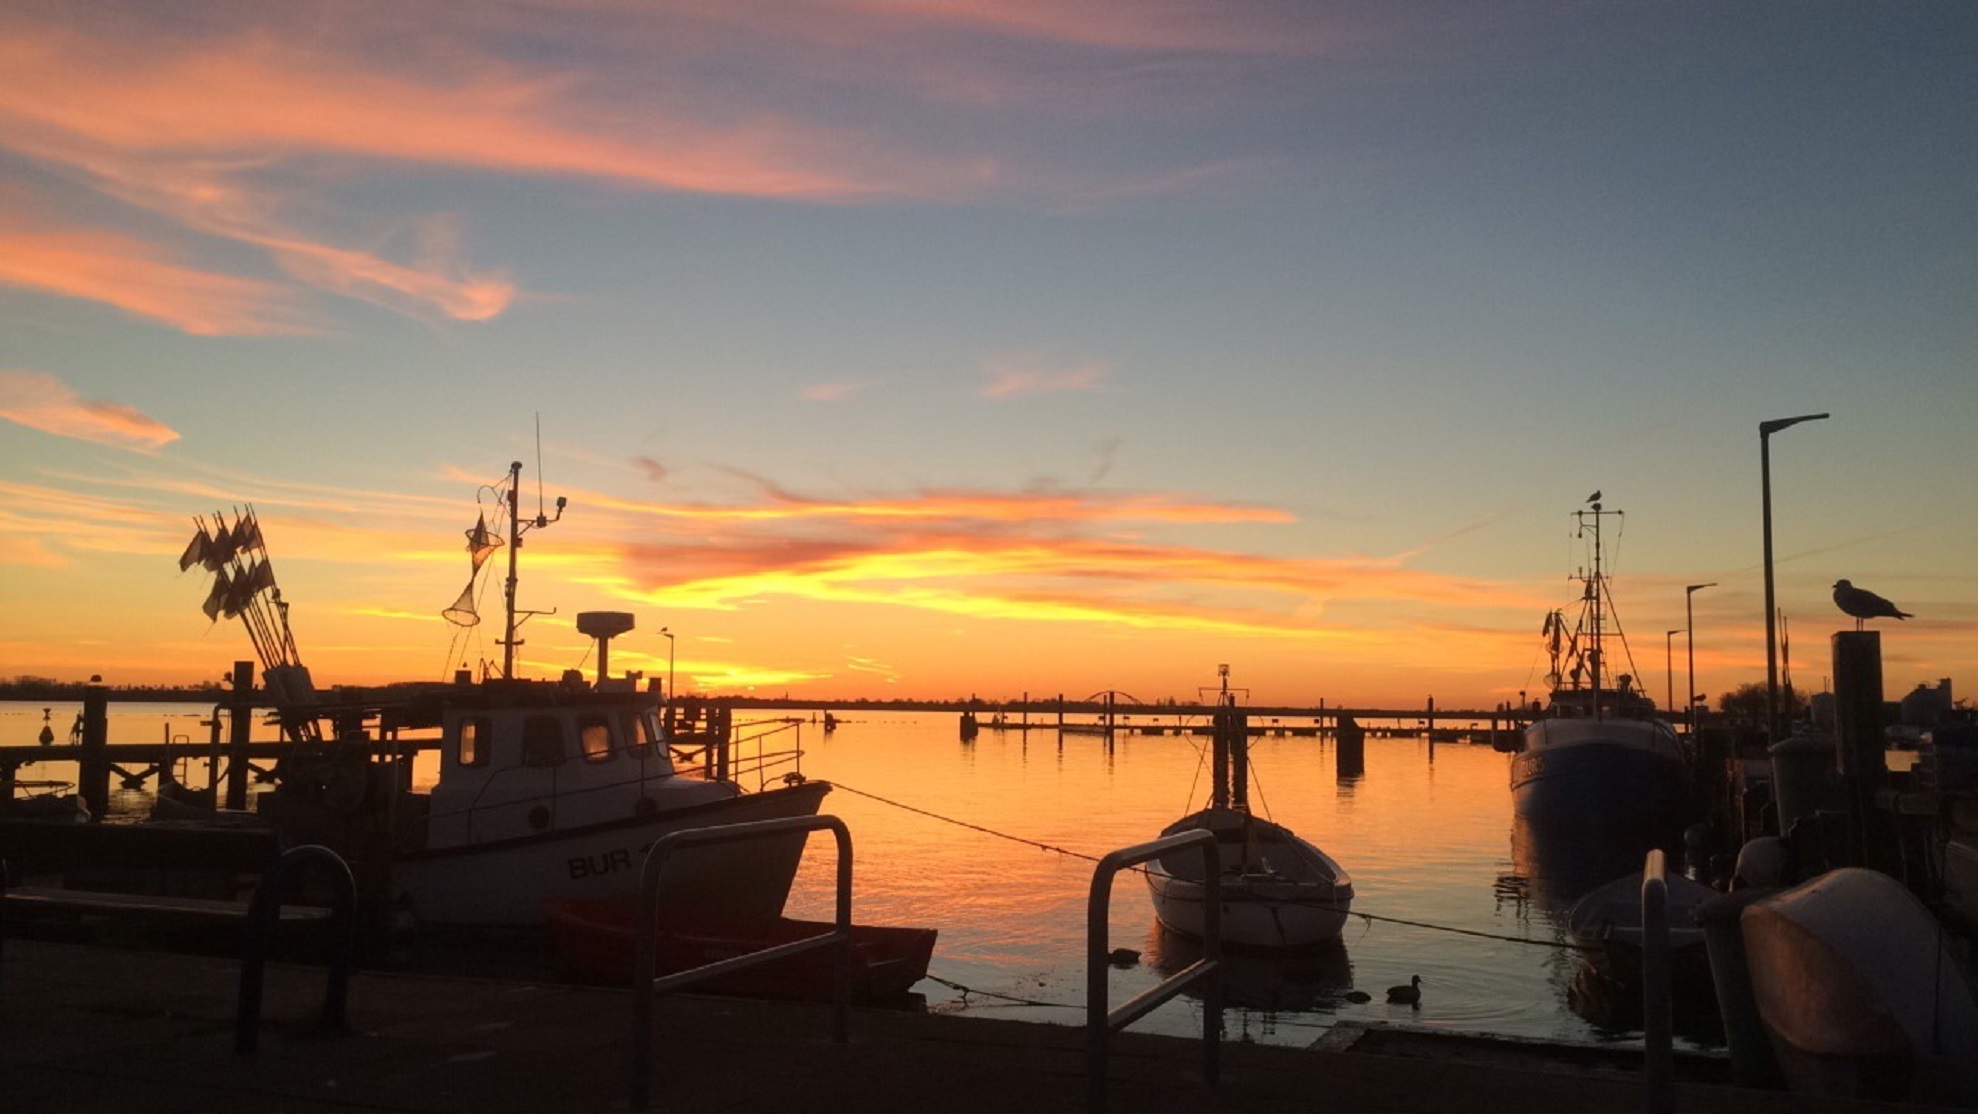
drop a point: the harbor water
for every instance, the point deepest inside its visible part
(994, 843)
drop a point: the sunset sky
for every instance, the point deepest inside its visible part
(904, 348)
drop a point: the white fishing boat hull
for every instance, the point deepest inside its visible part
(1292, 896)
(504, 883)
(1858, 993)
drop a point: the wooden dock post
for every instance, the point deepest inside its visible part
(1350, 754)
(240, 713)
(93, 764)
(1861, 751)
(1429, 729)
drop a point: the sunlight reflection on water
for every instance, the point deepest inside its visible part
(1427, 841)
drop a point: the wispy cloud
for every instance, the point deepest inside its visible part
(1025, 373)
(139, 278)
(40, 401)
(249, 124)
(832, 392)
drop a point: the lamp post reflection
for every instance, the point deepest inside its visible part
(1765, 432)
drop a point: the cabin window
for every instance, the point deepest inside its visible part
(640, 735)
(594, 737)
(473, 744)
(542, 741)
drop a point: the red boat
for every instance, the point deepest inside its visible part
(595, 938)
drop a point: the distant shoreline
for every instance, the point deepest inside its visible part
(1040, 712)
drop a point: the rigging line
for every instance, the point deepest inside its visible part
(966, 991)
(965, 824)
(1370, 917)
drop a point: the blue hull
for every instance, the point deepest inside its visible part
(1598, 788)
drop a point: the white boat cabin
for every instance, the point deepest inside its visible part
(521, 759)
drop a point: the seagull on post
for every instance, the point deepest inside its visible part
(1864, 604)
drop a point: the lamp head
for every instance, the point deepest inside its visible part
(1766, 429)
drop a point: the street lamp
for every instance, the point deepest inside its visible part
(670, 695)
(1689, 618)
(1765, 432)
(1669, 669)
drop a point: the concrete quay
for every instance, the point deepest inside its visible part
(87, 1028)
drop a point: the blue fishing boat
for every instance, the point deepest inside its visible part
(1596, 760)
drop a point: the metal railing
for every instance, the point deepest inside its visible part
(1658, 1056)
(646, 982)
(262, 912)
(1100, 1022)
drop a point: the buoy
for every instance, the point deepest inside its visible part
(1410, 995)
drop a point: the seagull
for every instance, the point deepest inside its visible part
(1864, 604)
(1594, 498)
(1409, 995)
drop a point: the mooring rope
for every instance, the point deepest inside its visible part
(1066, 851)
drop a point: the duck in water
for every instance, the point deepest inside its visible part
(1409, 995)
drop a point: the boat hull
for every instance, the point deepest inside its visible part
(1600, 777)
(505, 883)
(596, 942)
(1858, 994)
(1291, 895)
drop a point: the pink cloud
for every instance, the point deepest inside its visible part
(832, 392)
(1027, 374)
(135, 277)
(40, 401)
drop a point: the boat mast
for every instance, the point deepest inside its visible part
(516, 528)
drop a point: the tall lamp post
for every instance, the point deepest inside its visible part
(670, 695)
(1765, 432)
(1689, 619)
(1669, 670)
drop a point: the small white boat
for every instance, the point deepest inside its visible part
(1278, 891)
(1859, 994)
(1610, 917)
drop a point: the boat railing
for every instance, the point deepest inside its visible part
(747, 756)
(1658, 1055)
(1101, 1022)
(647, 983)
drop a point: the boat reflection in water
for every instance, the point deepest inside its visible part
(1560, 865)
(1555, 871)
(1314, 979)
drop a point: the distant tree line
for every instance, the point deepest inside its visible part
(28, 687)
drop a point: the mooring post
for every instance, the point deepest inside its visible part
(93, 764)
(240, 715)
(1350, 752)
(1431, 729)
(1858, 724)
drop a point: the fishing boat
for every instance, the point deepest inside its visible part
(1597, 761)
(545, 789)
(1279, 892)
(596, 942)
(1859, 992)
